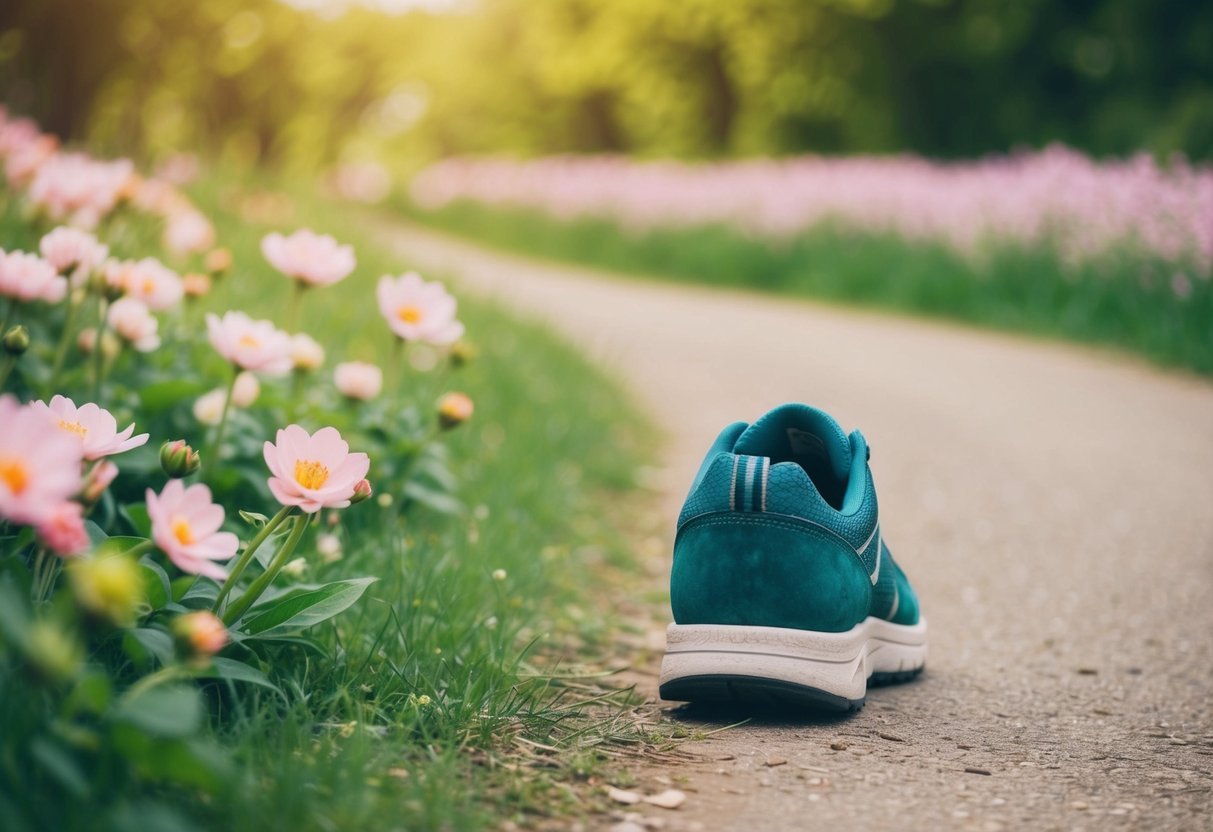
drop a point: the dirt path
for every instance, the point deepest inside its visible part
(1053, 506)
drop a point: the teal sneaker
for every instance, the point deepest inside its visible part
(783, 590)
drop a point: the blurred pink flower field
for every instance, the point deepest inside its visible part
(1085, 208)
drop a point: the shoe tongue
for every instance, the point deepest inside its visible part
(798, 433)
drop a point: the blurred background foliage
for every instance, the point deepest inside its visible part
(405, 81)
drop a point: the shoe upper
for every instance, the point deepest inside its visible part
(781, 528)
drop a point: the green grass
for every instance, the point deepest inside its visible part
(552, 447)
(1124, 302)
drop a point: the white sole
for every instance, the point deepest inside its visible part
(717, 662)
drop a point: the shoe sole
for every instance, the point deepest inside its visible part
(781, 666)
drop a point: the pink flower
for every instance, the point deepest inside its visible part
(98, 480)
(79, 189)
(93, 426)
(357, 380)
(313, 471)
(39, 464)
(24, 161)
(250, 345)
(62, 530)
(68, 249)
(417, 310)
(147, 280)
(185, 525)
(188, 232)
(306, 352)
(26, 277)
(311, 258)
(131, 319)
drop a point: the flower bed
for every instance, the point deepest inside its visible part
(180, 527)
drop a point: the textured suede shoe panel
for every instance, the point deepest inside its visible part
(767, 571)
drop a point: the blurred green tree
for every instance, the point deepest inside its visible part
(262, 81)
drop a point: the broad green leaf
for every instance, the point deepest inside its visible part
(236, 671)
(156, 642)
(57, 761)
(168, 710)
(117, 545)
(195, 593)
(91, 694)
(156, 584)
(298, 610)
(136, 515)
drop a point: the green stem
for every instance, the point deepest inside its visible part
(396, 365)
(99, 351)
(39, 568)
(267, 577)
(6, 366)
(293, 311)
(212, 458)
(8, 315)
(73, 305)
(242, 564)
(165, 674)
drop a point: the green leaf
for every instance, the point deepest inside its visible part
(195, 593)
(297, 610)
(166, 394)
(168, 710)
(254, 519)
(117, 545)
(14, 607)
(56, 761)
(156, 642)
(136, 514)
(236, 671)
(91, 694)
(156, 585)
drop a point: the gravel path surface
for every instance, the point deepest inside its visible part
(1053, 506)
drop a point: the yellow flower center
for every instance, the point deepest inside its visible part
(409, 314)
(14, 475)
(182, 531)
(148, 285)
(311, 474)
(249, 341)
(73, 427)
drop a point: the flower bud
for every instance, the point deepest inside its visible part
(98, 480)
(218, 261)
(199, 635)
(454, 409)
(462, 353)
(245, 390)
(306, 353)
(196, 285)
(178, 459)
(110, 586)
(51, 651)
(16, 340)
(86, 341)
(362, 491)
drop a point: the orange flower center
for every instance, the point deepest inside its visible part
(14, 475)
(148, 285)
(409, 314)
(311, 474)
(73, 427)
(182, 531)
(249, 341)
